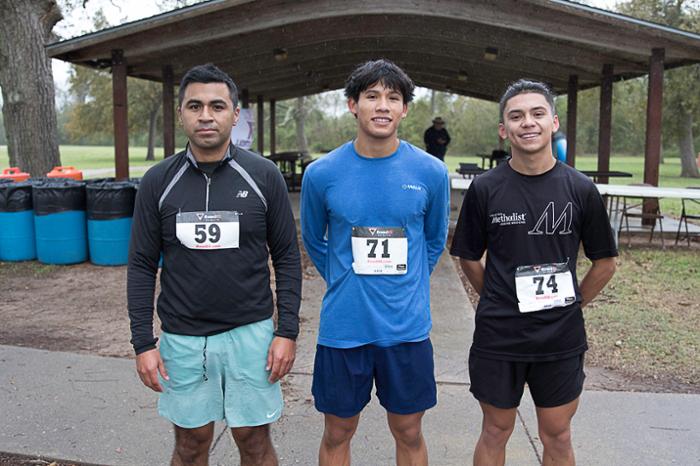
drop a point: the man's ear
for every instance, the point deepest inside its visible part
(352, 106)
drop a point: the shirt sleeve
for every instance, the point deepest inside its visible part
(469, 241)
(144, 254)
(314, 222)
(596, 234)
(436, 221)
(286, 260)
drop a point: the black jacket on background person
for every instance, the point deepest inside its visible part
(205, 292)
(431, 136)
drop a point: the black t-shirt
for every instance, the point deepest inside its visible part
(530, 221)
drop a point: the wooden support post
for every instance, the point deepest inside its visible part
(652, 148)
(273, 124)
(261, 129)
(605, 123)
(245, 99)
(120, 115)
(168, 112)
(571, 108)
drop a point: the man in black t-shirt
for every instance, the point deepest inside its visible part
(530, 215)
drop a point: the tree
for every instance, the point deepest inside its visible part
(27, 85)
(681, 100)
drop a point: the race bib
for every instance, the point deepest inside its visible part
(379, 250)
(544, 286)
(208, 230)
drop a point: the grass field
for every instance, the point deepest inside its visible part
(646, 322)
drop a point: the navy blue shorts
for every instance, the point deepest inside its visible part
(403, 374)
(501, 383)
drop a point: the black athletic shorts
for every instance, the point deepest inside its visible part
(501, 383)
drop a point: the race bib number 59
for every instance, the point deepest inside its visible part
(379, 250)
(208, 230)
(544, 286)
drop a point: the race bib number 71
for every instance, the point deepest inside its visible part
(208, 230)
(379, 250)
(544, 286)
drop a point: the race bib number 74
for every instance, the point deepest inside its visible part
(379, 250)
(544, 286)
(208, 230)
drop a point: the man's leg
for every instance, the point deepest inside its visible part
(335, 444)
(496, 427)
(192, 445)
(410, 444)
(555, 432)
(255, 446)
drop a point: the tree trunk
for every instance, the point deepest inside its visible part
(689, 167)
(152, 120)
(300, 120)
(433, 104)
(27, 84)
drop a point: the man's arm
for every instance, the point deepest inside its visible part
(314, 222)
(595, 280)
(144, 253)
(286, 260)
(474, 270)
(436, 221)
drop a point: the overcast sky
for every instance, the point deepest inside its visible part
(79, 22)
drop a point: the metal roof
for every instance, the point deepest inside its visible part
(287, 48)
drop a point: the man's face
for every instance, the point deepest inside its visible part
(528, 123)
(379, 111)
(207, 115)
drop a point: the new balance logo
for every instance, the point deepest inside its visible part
(242, 194)
(563, 223)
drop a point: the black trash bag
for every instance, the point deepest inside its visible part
(15, 197)
(55, 195)
(108, 199)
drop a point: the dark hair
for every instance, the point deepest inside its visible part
(382, 71)
(208, 73)
(525, 86)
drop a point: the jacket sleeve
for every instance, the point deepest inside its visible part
(314, 222)
(144, 254)
(437, 219)
(286, 260)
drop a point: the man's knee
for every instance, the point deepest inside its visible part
(192, 444)
(339, 430)
(497, 434)
(556, 438)
(408, 432)
(252, 441)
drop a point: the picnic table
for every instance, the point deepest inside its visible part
(288, 162)
(596, 175)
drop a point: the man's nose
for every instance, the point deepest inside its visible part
(205, 114)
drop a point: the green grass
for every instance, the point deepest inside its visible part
(669, 172)
(96, 157)
(646, 322)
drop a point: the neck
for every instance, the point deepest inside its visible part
(376, 148)
(209, 155)
(533, 164)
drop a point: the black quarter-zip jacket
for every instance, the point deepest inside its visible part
(205, 292)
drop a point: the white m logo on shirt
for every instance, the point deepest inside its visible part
(547, 218)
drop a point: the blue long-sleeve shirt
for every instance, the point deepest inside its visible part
(342, 190)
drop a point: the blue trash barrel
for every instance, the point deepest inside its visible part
(59, 221)
(110, 208)
(16, 222)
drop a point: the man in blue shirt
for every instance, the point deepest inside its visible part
(374, 216)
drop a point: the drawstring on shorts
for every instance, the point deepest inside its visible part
(204, 363)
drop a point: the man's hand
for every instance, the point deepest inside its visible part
(280, 357)
(148, 365)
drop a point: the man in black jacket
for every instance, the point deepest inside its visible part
(436, 139)
(216, 213)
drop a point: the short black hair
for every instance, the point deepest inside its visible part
(208, 73)
(382, 71)
(526, 86)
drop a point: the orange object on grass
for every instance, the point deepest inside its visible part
(14, 174)
(65, 172)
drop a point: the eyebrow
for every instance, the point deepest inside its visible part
(533, 109)
(212, 102)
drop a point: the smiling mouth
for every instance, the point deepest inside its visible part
(383, 120)
(529, 135)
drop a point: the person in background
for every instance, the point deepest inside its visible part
(437, 139)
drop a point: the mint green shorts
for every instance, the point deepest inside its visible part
(219, 377)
